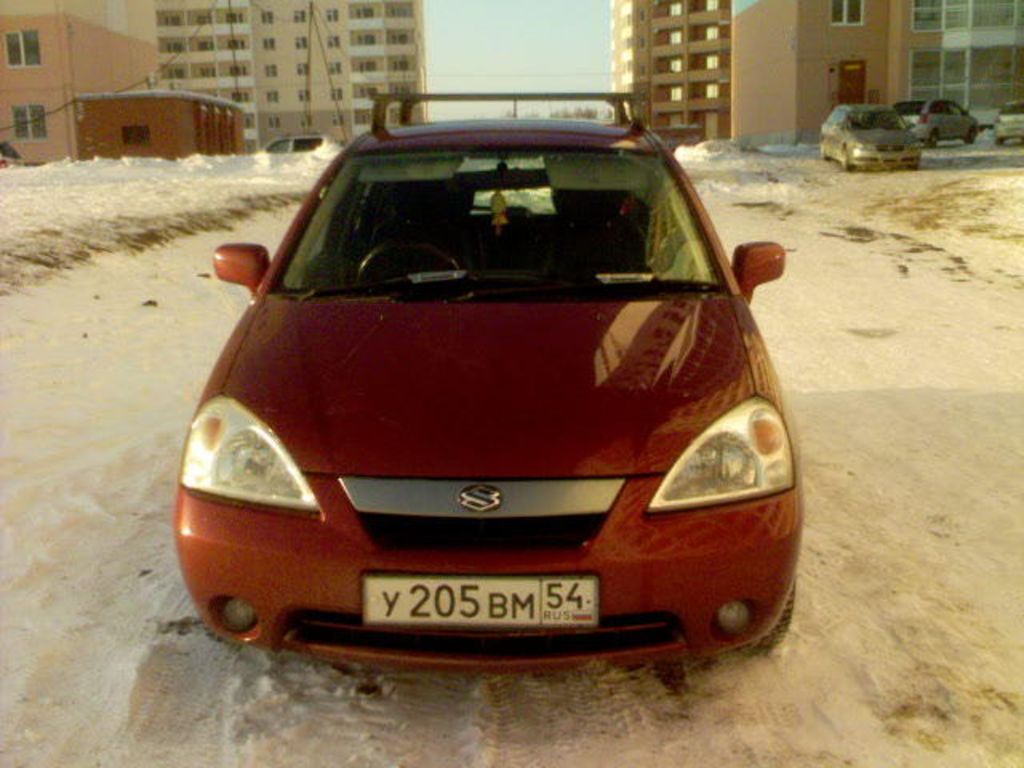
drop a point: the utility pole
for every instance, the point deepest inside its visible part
(309, 69)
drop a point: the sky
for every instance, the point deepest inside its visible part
(515, 45)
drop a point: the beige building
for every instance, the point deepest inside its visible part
(53, 50)
(675, 54)
(296, 67)
(794, 60)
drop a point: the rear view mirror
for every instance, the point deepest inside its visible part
(242, 263)
(756, 263)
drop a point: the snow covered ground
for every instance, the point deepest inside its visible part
(898, 329)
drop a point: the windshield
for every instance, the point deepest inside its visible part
(888, 120)
(571, 217)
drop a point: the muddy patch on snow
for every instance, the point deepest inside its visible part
(34, 256)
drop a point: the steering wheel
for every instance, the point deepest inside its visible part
(417, 254)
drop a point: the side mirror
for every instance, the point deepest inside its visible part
(242, 263)
(756, 263)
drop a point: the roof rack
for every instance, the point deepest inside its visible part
(624, 104)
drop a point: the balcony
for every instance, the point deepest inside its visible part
(358, 25)
(667, 49)
(369, 78)
(227, 30)
(710, 46)
(707, 75)
(710, 17)
(235, 5)
(243, 81)
(669, 78)
(240, 54)
(718, 104)
(367, 51)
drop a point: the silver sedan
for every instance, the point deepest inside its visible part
(869, 136)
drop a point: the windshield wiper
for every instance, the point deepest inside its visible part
(426, 284)
(603, 286)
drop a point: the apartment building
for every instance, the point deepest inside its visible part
(53, 50)
(295, 66)
(675, 55)
(794, 61)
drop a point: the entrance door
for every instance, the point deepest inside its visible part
(852, 82)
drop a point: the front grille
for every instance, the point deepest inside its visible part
(410, 531)
(890, 148)
(615, 633)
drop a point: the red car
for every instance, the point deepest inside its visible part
(498, 402)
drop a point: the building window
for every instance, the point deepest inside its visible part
(267, 17)
(270, 70)
(299, 17)
(362, 116)
(204, 44)
(992, 13)
(366, 66)
(172, 46)
(711, 62)
(675, 65)
(676, 93)
(168, 19)
(366, 91)
(361, 12)
(303, 95)
(398, 38)
(205, 71)
(336, 94)
(177, 73)
(302, 68)
(927, 15)
(403, 11)
(269, 43)
(711, 91)
(236, 44)
(301, 43)
(711, 5)
(135, 135)
(238, 70)
(234, 18)
(992, 75)
(675, 37)
(364, 38)
(30, 121)
(333, 41)
(399, 65)
(272, 97)
(401, 89)
(274, 121)
(847, 12)
(332, 14)
(711, 33)
(334, 67)
(675, 9)
(925, 74)
(240, 96)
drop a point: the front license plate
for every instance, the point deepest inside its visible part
(480, 601)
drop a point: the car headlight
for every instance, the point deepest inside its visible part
(743, 455)
(231, 453)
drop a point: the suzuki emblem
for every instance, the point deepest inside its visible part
(480, 498)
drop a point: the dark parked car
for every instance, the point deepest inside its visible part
(498, 402)
(9, 155)
(937, 120)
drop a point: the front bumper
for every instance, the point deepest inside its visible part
(662, 579)
(909, 157)
(1010, 130)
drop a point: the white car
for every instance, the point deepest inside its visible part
(1010, 122)
(298, 144)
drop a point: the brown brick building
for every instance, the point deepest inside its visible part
(167, 124)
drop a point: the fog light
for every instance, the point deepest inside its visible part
(238, 615)
(733, 618)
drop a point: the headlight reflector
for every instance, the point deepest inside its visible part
(231, 453)
(744, 454)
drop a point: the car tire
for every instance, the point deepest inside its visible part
(971, 136)
(781, 628)
(933, 140)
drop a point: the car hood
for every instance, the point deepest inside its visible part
(490, 390)
(884, 136)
